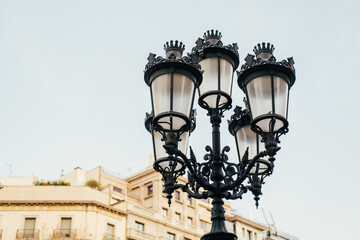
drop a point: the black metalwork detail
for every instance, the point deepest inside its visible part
(179, 46)
(153, 60)
(212, 39)
(216, 177)
(251, 61)
(269, 48)
(172, 47)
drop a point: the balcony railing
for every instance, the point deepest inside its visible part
(136, 234)
(110, 237)
(27, 234)
(64, 234)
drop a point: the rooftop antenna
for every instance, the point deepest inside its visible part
(272, 218)
(262, 209)
(271, 231)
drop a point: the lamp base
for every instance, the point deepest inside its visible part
(219, 236)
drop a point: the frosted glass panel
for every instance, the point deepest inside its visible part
(259, 94)
(245, 137)
(281, 90)
(265, 125)
(160, 88)
(211, 101)
(226, 76)
(183, 94)
(211, 82)
(160, 152)
(260, 99)
(158, 146)
(210, 75)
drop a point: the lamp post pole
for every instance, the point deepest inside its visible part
(209, 69)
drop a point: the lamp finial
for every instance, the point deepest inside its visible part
(212, 36)
(174, 47)
(264, 51)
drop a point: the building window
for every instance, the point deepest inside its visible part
(187, 239)
(110, 231)
(189, 200)
(171, 236)
(139, 226)
(164, 212)
(203, 225)
(29, 227)
(230, 226)
(249, 235)
(149, 190)
(190, 221)
(177, 195)
(65, 227)
(177, 216)
(116, 189)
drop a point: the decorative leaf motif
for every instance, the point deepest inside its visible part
(230, 171)
(205, 171)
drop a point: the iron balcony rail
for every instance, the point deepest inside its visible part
(27, 234)
(141, 235)
(64, 234)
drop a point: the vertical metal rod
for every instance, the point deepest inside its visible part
(218, 229)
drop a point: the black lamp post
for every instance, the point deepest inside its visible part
(210, 68)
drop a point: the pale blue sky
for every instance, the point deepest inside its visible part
(72, 94)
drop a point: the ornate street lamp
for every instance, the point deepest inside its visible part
(210, 68)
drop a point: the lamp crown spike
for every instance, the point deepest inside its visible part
(212, 35)
(175, 48)
(264, 50)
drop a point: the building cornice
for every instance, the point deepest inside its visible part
(63, 203)
(232, 217)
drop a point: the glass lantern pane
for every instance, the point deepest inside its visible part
(260, 100)
(281, 90)
(160, 88)
(259, 96)
(245, 138)
(183, 94)
(159, 150)
(210, 75)
(226, 76)
(211, 67)
(160, 154)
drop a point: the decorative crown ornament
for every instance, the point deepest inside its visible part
(263, 48)
(211, 34)
(178, 46)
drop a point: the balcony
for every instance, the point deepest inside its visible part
(65, 234)
(132, 233)
(110, 237)
(27, 234)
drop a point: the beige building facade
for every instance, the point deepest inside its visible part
(119, 209)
